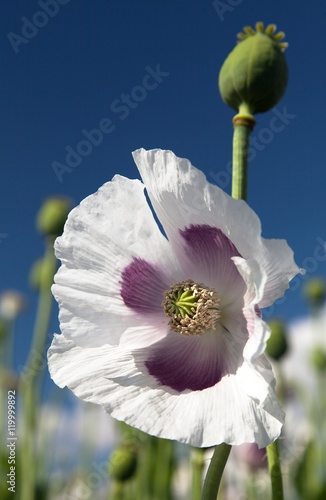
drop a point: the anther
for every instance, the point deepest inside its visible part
(192, 308)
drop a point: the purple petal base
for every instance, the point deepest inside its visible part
(182, 363)
(209, 253)
(208, 241)
(142, 287)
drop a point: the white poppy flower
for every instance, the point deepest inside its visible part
(166, 332)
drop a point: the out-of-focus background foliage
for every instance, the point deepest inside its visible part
(70, 67)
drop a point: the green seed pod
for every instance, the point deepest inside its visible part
(254, 76)
(52, 216)
(277, 343)
(318, 359)
(315, 291)
(41, 274)
(123, 463)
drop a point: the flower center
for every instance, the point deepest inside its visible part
(192, 308)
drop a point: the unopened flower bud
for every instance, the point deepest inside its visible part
(318, 359)
(41, 274)
(52, 216)
(277, 343)
(254, 76)
(123, 463)
(315, 291)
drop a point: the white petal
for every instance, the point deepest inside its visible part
(255, 278)
(120, 211)
(278, 263)
(233, 411)
(101, 238)
(181, 196)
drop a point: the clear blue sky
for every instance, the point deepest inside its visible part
(69, 72)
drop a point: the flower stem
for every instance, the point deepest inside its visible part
(274, 467)
(117, 491)
(243, 125)
(29, 381)
(164, 469)
(215, 471)
(198, 456)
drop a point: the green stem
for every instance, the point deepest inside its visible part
(215, 471)
(34, 365)
(198, 455)
(163, 469)
(251, 487)
(274, 467)
(117, 491)
(29, 385)
(243, 125)
(146, 470)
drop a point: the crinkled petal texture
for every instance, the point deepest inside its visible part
(117, 348)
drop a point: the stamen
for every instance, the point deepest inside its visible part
(192, 308)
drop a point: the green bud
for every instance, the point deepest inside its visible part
(277, 343)
(41, 274)
(308, 477)
(315, 291)
(254, 76)
(123, 463)
(52, 216)
(318, 359)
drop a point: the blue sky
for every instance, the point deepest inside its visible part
(68, 72)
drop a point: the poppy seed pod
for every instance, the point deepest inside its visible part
(315, 291)
(318, 359)
(41, 274)
(123, 463)
(277, 344)
(254, 76)
(52, 216)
